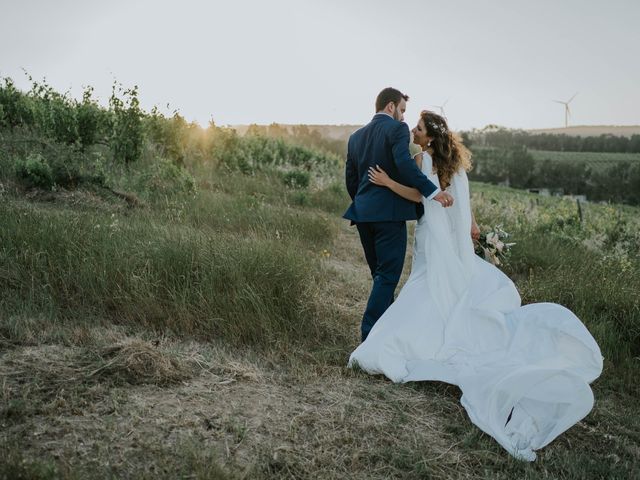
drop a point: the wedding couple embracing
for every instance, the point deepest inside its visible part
(524, 371)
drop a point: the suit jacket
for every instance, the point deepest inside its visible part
(384, 142)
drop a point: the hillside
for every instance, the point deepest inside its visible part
(184, 307)
(87, 395)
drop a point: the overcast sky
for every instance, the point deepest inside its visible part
(324, 61)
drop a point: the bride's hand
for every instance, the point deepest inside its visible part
(378, 176)
(475, 231)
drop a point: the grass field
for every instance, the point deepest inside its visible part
(179, 302)
(593, 159)
(206, 336)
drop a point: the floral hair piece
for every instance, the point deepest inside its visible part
(434, 126)
(440, 128)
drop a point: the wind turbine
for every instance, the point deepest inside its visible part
(441, 108)
(567, 112)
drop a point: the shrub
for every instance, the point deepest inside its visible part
(93, 120)
(296, 179)
(34, 171)
(17, 108)
(164, 178)
(253, 153)
(127, 134)
(54, 113)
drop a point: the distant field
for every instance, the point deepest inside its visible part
(585, 156)
(594, 159)
(592, 130)
(591, 157)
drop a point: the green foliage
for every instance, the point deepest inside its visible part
(17, 108)
(254, 153)
(55, 113)
(168, 134)
(163, 178)
(604, 168)
(55, 119)
(296, 179)
(179, 140)
(93, 121)
(34, 171)
(613, 177)
(501, 137)
(54, 165)
(127, 134)
(514, 166)
(302, 135)
(594, 160)
(56, 116)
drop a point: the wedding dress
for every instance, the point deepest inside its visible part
(524, 371)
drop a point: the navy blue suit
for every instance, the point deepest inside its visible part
(378, 212)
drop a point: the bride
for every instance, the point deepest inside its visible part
(524, 371)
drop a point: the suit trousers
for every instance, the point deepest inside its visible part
(385, 245)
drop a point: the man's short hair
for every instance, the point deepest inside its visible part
(389, 95)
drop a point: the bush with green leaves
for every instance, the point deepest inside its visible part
(56, 116)
(65, 166)
(34, 171)
(162, 178)
(175, 138)
(297, 179)
(93, 120)
(127, 133)
(17, 108)
(54, 113)
(253, 153)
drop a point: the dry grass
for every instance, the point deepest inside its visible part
(242, 415)
(255, 420)
(141, 362)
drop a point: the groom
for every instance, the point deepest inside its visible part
(378, 213)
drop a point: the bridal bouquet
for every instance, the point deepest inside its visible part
(492, 245)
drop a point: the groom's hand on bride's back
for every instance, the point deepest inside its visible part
(445, 199)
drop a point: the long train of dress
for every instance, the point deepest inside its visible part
(524, 371)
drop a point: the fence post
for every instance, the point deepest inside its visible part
(579, 210)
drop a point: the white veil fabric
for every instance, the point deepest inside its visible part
(449, 254)
(524, 371)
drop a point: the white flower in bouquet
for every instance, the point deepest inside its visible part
(491, 246)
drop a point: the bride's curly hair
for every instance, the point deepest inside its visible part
(449, 153)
